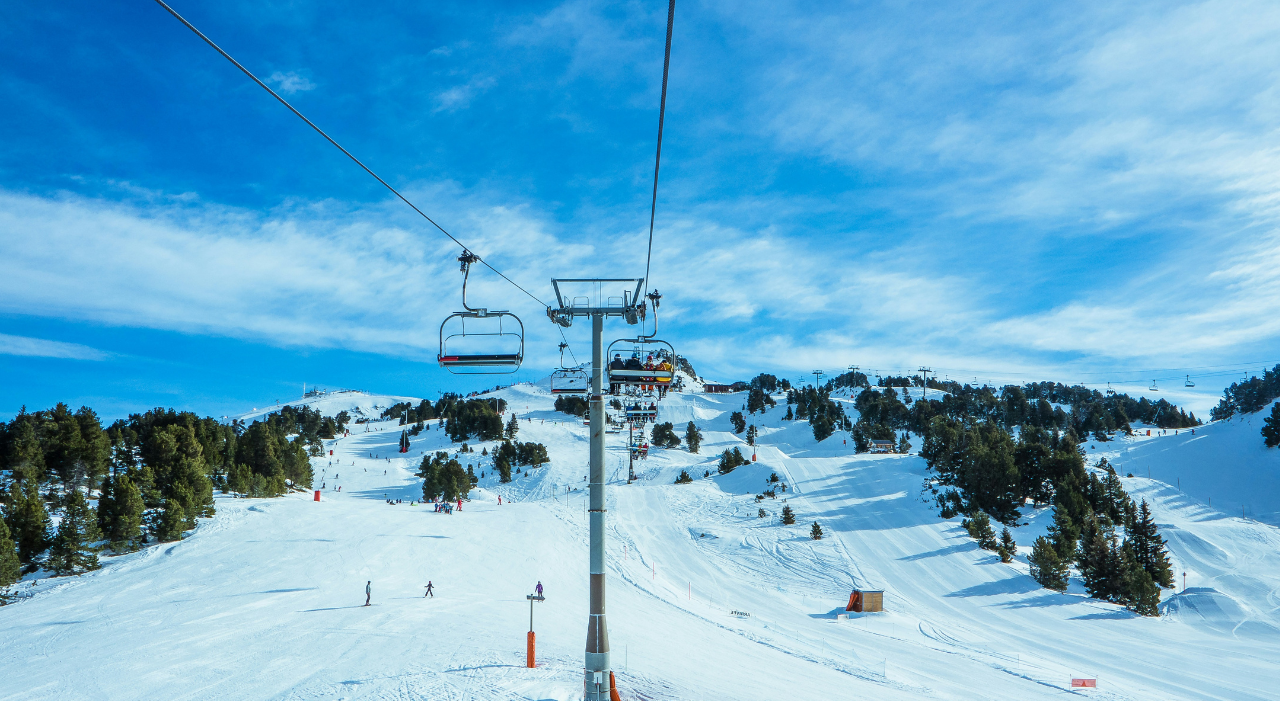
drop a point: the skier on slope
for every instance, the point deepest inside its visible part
(429, 588)
(538, 588)
(368, 592)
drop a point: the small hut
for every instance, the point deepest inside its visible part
(866, 601)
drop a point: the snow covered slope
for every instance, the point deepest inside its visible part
(265, 600)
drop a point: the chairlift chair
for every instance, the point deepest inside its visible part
(642, 347)
(566, 380)
(459, 347)
(661, 350)
(1154, 388)
(1189, 383)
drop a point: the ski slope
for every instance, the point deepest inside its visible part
(265, 600)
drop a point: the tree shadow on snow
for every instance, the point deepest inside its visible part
(940, 552)
(1046, 599)
(1010, 585)
(1119, 613)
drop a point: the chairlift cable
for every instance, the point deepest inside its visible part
(657, 160)
(328, 138)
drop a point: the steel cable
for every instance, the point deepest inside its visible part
(357, 161)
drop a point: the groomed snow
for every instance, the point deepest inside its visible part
(265, 599)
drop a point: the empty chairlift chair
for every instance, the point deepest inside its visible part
(566, 380)
(493, 345)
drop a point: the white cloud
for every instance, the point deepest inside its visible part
(290, 82)
(23, 345)
(460, 96)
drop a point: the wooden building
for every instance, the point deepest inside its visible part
(866, 601)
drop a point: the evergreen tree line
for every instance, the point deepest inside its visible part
(731, 459)
(475, 417)
(444, 479)
(517, 453)
(825, 415)
(273, 455)
(1126, 572)
(664, 435)
(1248, 396)
(882, 412)
(463, 417)
(572, 405)
(149, 476)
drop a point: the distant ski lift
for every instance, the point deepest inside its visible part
(566, 380)
(480, 341)
(1154, 388)
(1189, 383)
(639, 413)
(1110, 392)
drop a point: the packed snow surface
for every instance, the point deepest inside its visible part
(265, 600)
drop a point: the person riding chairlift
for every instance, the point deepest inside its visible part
(617, 364)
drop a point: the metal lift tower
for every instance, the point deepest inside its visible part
(630, 306)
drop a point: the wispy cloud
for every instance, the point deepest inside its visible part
(460, 96)
(290, 82)
(39, 347)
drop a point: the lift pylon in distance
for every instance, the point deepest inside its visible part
(494, 344)
(597, 302)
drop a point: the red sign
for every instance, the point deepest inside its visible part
(1084, 683)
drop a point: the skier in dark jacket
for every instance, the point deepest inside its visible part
(368, 592)
(429, 588)
(538, 588)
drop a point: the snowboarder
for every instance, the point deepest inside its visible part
(429, 589)
(368, 592)
(538, 588)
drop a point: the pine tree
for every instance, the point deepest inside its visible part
(10, 567)
(752, 432)
(28, 521)
(1046, 567)
(1271, 427)
(172, 522)
(979, 528)
(692, 437)
(1007, 548)
(684, 477)
(1138, 591)
(1149, 548)
(788, 516)
(815, 532)
(904, 445)
(120, 512)
(1064, 534)
(24, 455)
(72, 551)
(739, 423)
(513, 427)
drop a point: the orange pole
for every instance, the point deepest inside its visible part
(531, 645)
(613, 688)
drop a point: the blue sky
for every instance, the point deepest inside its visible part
(1008, 191)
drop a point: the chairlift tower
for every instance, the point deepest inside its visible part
(817, 378)
(631, 307)
(925, 372)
